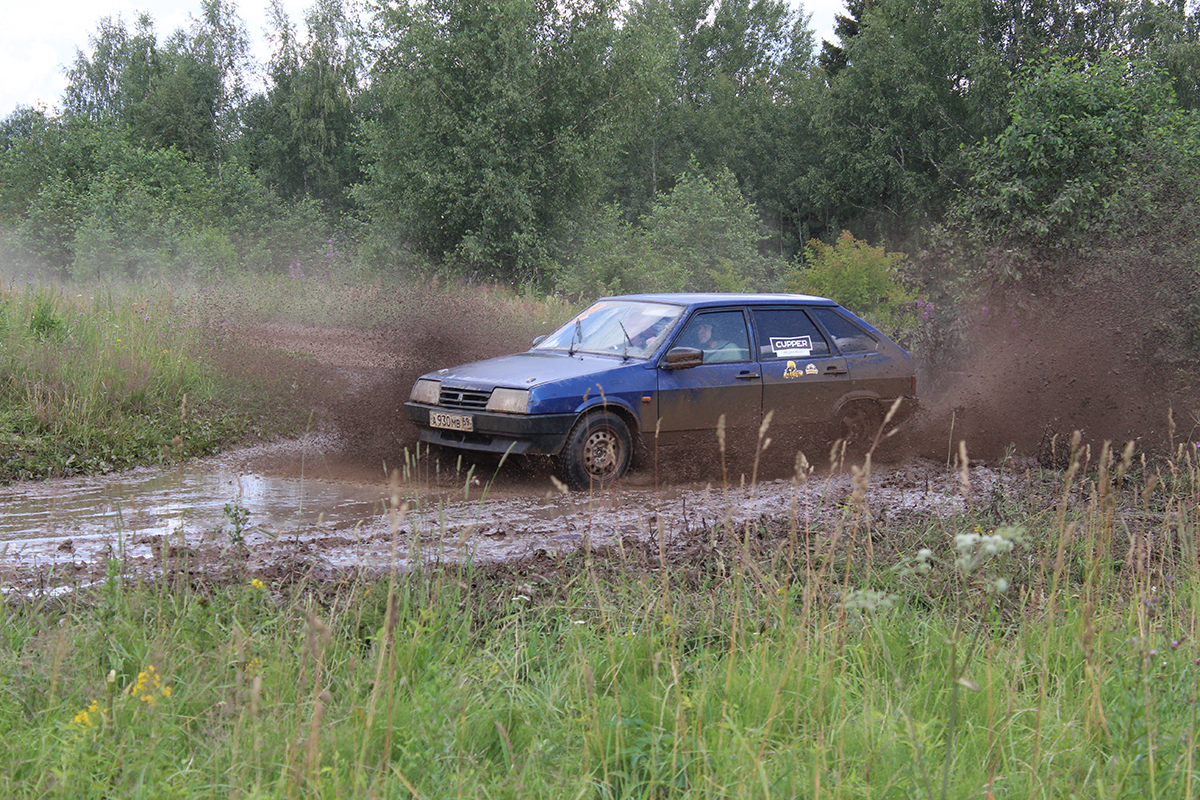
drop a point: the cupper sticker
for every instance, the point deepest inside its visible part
(791, 346)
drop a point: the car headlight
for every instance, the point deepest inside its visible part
(425, 391)
(509, 401)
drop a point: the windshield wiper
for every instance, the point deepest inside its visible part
(579, 333)
(628, 341)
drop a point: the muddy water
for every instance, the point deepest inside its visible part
(191, 498)
(63, 533)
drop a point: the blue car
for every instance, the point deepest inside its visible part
(640, 371)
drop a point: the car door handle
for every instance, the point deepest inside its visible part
(746, 375)
(832, 370)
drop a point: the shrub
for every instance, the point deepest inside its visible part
(865, 279)
(702, 236)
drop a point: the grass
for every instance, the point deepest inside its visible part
(96, 378)
(362, 300)
(103, 380)
(1024, 647)
(1038, 644)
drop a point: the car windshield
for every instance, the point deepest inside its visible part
(625, 328)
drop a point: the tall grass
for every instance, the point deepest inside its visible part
(1040, 644)
(364, 300)
(95, 378)
(98, 379)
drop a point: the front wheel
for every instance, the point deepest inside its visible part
(597, 451)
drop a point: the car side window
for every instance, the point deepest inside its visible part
(722, 335)
(785, 333)
(848, 337)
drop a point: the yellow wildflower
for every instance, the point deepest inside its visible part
(89, 717)
(149, 687)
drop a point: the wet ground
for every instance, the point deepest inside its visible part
(217, 515)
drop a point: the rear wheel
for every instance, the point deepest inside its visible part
(597, 451)
(858, 423)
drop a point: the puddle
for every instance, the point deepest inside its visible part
(192, 498)
(65, 531)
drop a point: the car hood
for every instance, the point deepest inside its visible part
(525, 370)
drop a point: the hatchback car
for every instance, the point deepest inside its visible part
(657, 369)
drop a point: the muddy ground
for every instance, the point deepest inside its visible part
(1032, 380)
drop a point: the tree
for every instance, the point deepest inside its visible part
(1025, 32)
(833, 58)
(1048, 178)
(862, 278)
(300, 135)
(107, 84)
(712, 74)
(702, 235)
(30, 148)
(1164, 33)
(917, 85)
(185, 94)
(181, 105)
(491, 124)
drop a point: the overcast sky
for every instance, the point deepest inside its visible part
(40, 37)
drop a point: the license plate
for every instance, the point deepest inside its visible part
(453, 422)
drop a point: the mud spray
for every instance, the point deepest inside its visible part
(1037, 368)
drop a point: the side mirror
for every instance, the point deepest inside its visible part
(683, 358)
(538, 340)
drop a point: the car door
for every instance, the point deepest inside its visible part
(691, 400)
(875, 369)
(803, 379)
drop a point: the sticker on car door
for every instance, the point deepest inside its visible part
(792, 371)
(791, 346)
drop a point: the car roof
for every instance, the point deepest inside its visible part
(701, 299)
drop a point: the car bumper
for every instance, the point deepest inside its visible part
(517, 434)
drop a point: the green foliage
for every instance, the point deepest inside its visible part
(607, 258)
(865, 279)
(917, 84)
(44, 320)
(709, 79)
(207, 253)
(701, 236)
(107, 381)
(183, 94)
(489, 135)
(491, 128)
(1049, 178)
(300, 135)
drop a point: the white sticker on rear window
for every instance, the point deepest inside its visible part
(785, 346)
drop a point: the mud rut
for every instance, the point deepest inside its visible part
(1027, 389)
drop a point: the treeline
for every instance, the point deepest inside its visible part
(591, 145)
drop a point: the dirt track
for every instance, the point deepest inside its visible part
(1022, 391)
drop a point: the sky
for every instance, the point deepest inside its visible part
(39, 40)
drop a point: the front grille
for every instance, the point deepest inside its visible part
(463, 399)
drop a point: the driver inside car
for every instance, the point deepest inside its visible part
(716, 346)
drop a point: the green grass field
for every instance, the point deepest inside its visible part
(1042, 647)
